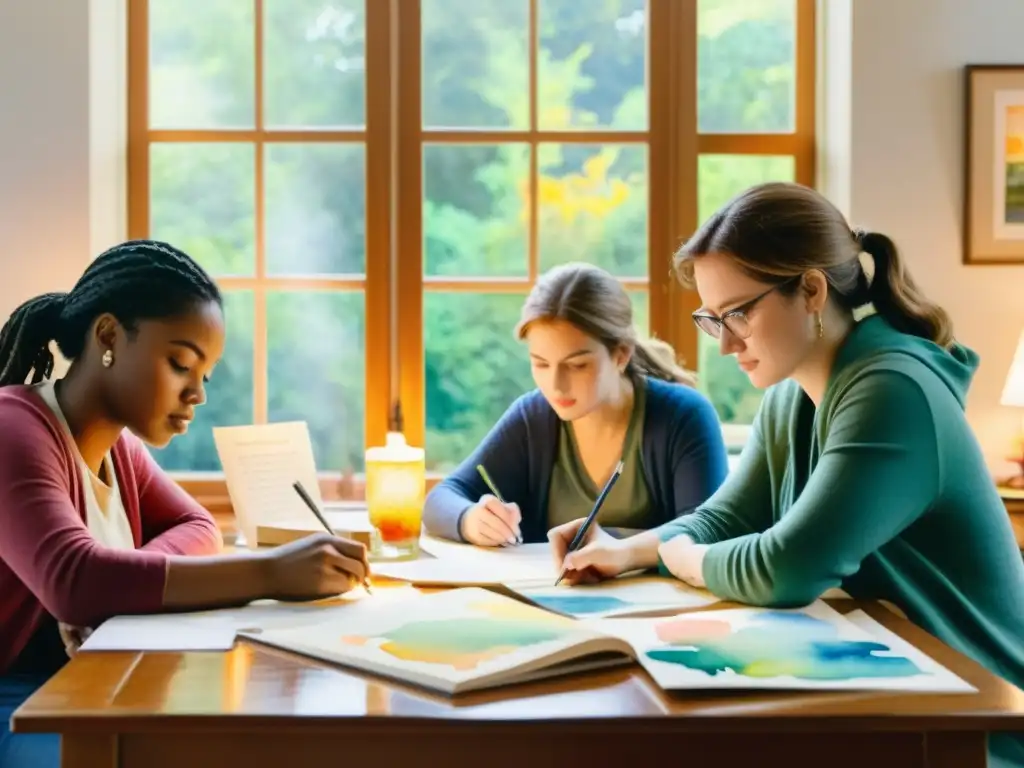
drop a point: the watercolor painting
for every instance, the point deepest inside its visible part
(453, 641)
(1013, 162)
(630, 596)
(993, 213)
(493, 629)
(761, 648)
(775, 644)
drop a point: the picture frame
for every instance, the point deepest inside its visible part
(993, 215)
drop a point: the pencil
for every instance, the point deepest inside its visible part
(301, 490)
(494, 489)
(582, 532)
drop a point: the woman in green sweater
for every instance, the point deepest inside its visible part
(861, 472)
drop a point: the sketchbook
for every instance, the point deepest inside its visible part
(472, 638)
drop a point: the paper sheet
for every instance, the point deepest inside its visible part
(211, 630)
(456, 564)
(260, 464)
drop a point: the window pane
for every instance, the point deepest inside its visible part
(202, 64)
(475, 63)
(315, 209)
(475, 210)
(316, 344)
(720, 178)
(475, 369)
(228, 395)
(593, 206)
(746, 64)
(314, 63)
(591, 64)
(202, 200)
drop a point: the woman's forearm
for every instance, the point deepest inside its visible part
(195, 583)
(642, 550)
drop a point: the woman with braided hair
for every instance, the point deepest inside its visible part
(90, 526)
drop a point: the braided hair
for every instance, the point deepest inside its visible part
(136, 280)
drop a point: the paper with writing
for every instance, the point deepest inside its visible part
(261, 461)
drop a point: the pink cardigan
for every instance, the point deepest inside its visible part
(49, 562)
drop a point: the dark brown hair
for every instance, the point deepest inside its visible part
(778, 231)
(595, 302)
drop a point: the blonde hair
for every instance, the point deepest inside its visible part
(592, 300)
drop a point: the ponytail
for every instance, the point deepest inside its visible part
(896, 296)
(25, 340)
(657, 359)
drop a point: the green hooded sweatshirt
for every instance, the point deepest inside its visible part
(883, 492)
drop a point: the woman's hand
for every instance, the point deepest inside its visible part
(684, 559)
(600, 555)
(314, 567)
(490, 523)
(73, 637)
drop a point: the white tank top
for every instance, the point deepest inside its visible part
(104, 511)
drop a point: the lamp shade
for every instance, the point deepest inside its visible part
(1013, 390)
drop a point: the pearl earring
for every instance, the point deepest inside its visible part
(108, 358)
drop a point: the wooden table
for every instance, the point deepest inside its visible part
(257, 707)
(1013, 498)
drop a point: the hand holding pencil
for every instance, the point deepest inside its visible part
(492, 521)
(583, 552)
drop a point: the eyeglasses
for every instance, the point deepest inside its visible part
(735, 319)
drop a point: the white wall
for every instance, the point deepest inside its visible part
(44, 146)
(891, 128)
(895, 164)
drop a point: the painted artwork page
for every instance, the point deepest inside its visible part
(628, 596)
(761, 648)
(441, 641)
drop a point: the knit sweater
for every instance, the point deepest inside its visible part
(50, 565)
(683, 457)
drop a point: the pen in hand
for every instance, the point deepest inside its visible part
(581, 534)
(494, 489)
(304, 495)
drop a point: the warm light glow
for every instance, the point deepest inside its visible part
(1013, 390)
(395, 490)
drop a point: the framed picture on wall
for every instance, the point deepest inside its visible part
(994, 164)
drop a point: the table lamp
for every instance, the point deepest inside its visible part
(1013, 396)
(395, 491)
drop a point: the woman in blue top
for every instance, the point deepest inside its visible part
(603, 395)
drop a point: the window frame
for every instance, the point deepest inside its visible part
(393, 138)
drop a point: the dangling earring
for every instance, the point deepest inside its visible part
(821, 326)
(108, 358)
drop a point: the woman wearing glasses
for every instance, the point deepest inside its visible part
(862, 472)
(603, 395)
